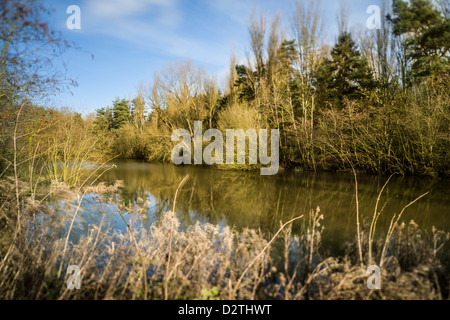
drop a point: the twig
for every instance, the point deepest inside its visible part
(373, 224)
(358, 232)
(262, 251)
(170, 239)
(96, 171)
(176, 192)
(393, 225)
(80, 200)
(144, 269)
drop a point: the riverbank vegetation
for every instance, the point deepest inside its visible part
(206, 261)
(376, 99)
(378, 102)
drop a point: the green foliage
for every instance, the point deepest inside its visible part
(104, 119)
(112, 119)
(427, 33)
(130, 143)
(246, 91)
(346, 75)
(210, 294)
(121, 113)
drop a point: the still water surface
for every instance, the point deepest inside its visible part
(247, 199)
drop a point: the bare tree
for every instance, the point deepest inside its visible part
(177, 95)
(257, 31)
(138, 111)
(29, 50)
(232, 77)
(307, 27)
(342, 16)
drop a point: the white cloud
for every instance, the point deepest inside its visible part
(111, 12)
(237, 10)
(123, 8)
(152, 25)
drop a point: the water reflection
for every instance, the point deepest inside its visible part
(247, 199)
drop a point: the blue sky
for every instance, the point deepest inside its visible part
(131, 39)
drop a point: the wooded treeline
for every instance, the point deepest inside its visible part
(377, 99)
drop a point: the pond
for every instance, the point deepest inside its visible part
(246, 199)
